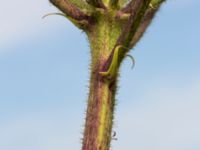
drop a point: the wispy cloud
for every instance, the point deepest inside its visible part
(23, 18)
(39, 132)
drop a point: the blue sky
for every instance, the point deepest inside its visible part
(44, 74)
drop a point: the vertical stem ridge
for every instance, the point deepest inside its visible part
(99, 120)
(101, 101)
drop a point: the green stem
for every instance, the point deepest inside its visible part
(99, 120)
(101, 101)
(112, 30)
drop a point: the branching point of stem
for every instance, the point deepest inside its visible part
(112, 31)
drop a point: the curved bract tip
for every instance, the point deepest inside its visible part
(132, 59)
(51, 14)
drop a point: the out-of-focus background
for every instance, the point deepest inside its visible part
(44, 81)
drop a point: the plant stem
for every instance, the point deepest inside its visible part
(113, 27)
(101, 101)
(100, 111)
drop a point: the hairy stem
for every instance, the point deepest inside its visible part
(70, 9)
(101, 101)
(112, 30)
(100, 111)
